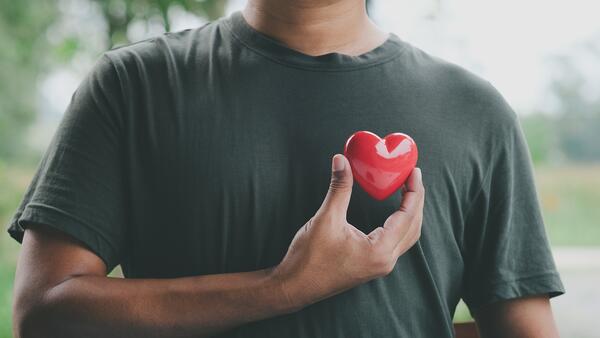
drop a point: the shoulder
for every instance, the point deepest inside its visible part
(462, 94)
(159, 67)
(170, 48)
(467, 117)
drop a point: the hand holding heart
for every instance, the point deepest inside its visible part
(328, 255)
(381, 166)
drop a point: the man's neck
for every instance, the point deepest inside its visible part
(316, 27)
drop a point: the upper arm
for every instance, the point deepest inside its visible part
(80, 185)
(47, 258)
(509, 269)
(507, 254)
(520, 317)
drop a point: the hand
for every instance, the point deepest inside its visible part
(328, 255)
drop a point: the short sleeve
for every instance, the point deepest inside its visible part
(507, 253)
(79, 185)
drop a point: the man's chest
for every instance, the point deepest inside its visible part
(232, 177)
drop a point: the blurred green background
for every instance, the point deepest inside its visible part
(49, 45)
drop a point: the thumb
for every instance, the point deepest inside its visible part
(340, 187)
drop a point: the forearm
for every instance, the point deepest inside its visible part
(529, 316)
(96, 306)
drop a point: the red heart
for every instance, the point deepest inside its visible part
(381, 166)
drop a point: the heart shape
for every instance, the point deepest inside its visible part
(381, 166)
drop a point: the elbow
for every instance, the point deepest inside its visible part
(26, 321)
(31, 317)
(24, 326)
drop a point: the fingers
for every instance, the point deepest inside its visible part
(410, 237)
(340, 187)
(415, 180)
(415, 229)
(400, 227)
(413, 191)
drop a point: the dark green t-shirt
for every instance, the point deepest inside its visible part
(203, 151)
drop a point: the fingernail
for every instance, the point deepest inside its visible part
(420, 174)
(338, 163)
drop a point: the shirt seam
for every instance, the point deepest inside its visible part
(479, 191)
(286, 64)
(40, 206)
(125, 108)
(524, 278)
(551, 275)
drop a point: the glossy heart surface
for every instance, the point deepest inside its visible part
(381, 166)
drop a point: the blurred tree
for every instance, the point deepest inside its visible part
(27, 53)
(22, 27)
(540, 132)
(578, 113)
(120, 13)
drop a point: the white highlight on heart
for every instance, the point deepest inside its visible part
(401, 149)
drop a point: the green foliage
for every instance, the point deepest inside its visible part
(570, 196)
(13, 182)
(462, 313)
(66, 49)
(7, 273)
(540, 132)
(22, 24)
(119, 13)
(570, 132)
(27, 53)
(578, 114)
(580, 136)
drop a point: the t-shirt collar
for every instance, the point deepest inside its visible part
(271, 48)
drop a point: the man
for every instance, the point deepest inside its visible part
(198, 161)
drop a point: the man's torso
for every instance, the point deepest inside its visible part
(229, 155)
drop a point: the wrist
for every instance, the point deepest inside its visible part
(288, 301)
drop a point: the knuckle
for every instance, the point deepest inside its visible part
(328, 217)
(388, 267)
(403, 209)
(309, 223)
(324, 217)
(382, 263)
(373, 238)
(339, 185)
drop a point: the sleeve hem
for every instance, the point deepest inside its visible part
(46, 215)
(546, 283)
